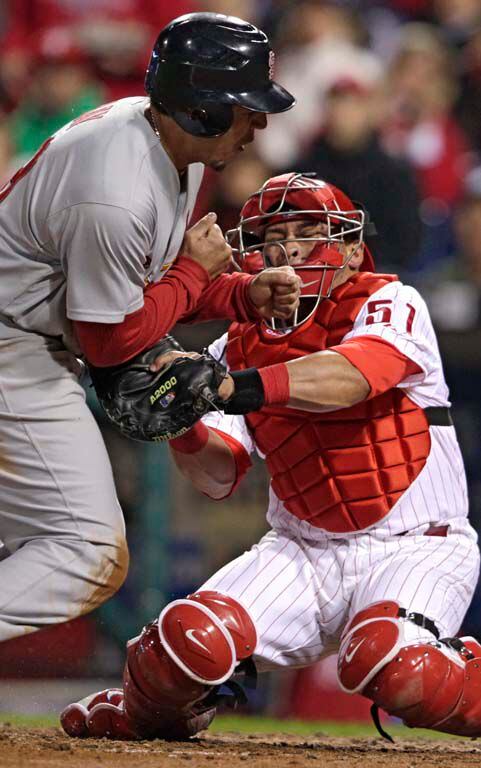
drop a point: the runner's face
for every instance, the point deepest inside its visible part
(219, 151)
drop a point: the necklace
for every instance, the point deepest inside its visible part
(154, 124)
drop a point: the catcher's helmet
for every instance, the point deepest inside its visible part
(293, 197)
(204, 63)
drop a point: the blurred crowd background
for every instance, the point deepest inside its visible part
(389, 109)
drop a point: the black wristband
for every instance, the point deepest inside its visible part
(248, 393)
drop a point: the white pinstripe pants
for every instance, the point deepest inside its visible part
(301, 594)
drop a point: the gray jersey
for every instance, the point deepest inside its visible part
(98, 213)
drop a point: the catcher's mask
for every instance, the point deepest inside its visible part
(332, 221)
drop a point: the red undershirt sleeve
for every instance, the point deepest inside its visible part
(226, 298)
(185, 294)
(381, 363)
(165, 302)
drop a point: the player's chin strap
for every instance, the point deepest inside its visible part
(421, 621)
(375, 719)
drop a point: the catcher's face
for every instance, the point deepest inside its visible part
(293, 241)
(322, 261)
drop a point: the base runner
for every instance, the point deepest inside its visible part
(96, 260)
(370, 553)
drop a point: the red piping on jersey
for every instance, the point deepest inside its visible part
(241, 459)
(193, 441)
(183, 295)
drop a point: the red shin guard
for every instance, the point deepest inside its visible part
(428, 684)
(171, 669)
(174, 664)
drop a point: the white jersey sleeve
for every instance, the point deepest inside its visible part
(235, 426)
(95, 213)
(398, 314)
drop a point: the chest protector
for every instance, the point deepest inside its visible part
(341, 471)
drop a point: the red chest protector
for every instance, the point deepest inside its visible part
(341, 471)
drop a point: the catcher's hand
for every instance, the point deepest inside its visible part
(156, 405)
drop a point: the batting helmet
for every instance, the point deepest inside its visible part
(205, 63)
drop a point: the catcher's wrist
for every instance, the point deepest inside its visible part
(275, 380)
(256, 387)
(248, 392)
(192, 441)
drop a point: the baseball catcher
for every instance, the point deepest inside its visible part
(370, 554)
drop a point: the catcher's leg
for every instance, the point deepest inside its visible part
(429, 683)
(171, 669)
(278, 581)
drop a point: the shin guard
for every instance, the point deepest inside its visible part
(176, 662)
(431, 683)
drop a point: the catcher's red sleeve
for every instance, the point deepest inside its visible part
(381, 363)
(184, 295)
(241, 458)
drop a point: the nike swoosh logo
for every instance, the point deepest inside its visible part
(350, 656)
(189, 633)
(306, 285)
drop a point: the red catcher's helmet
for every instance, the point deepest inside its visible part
(290, 197)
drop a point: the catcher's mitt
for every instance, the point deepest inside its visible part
(159, 406)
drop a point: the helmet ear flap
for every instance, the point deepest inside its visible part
(209, 121)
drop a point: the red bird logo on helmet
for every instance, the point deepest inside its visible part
(335, 220)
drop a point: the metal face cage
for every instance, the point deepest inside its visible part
(276, 202)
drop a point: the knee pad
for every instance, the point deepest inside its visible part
(177, 661)
(428, 683)
(369, 642)
(206, 635)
